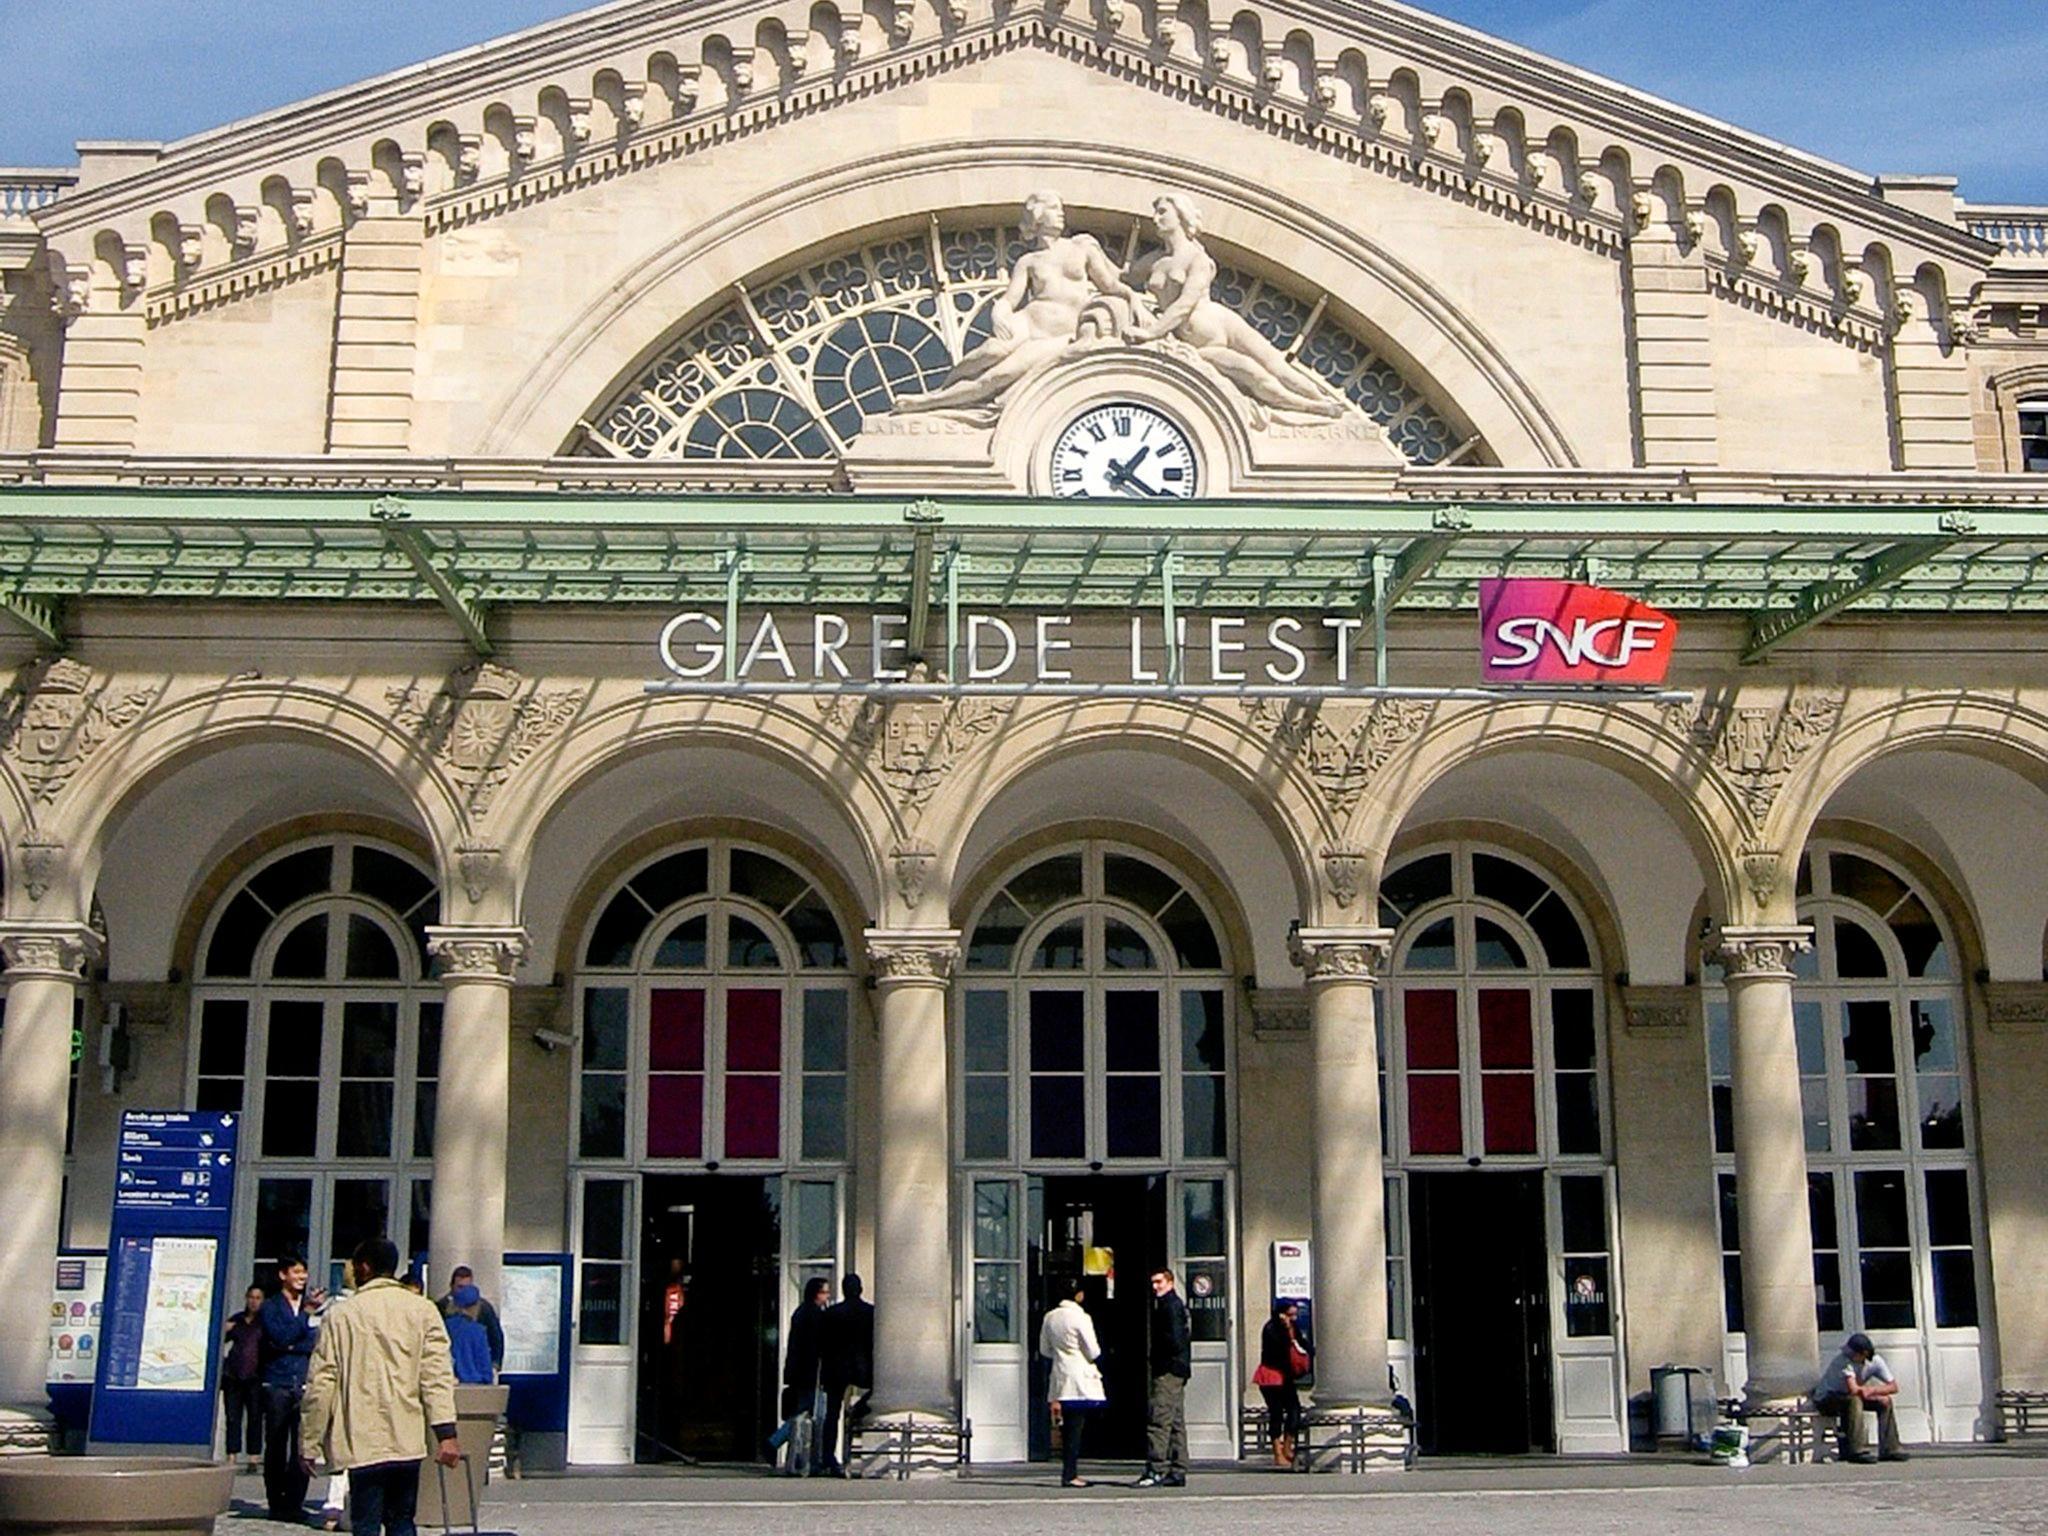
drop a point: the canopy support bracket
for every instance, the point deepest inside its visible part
(1772, 628)
(459, 604)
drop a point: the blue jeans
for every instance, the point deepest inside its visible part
(383, 1498)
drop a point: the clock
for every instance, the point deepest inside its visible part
(1124, 449)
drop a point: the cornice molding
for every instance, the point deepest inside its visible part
(1410, 67)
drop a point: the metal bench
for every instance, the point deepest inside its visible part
(1350, 1438)
(900, 1447)
(2022, 1413)
(1803, 1434)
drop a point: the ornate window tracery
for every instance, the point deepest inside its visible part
(792, 367)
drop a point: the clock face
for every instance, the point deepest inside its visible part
(1124, 449)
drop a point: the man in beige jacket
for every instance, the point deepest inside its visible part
(380, 1394)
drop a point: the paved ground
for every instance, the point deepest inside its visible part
(1988, 1493)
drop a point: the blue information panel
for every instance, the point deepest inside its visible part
(174, 1198)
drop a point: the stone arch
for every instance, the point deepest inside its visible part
(1632, 744)
(1271, 814)
(1997, 729)
(173, 736)
(2008, 389)
(1394, 304)
(630, 734)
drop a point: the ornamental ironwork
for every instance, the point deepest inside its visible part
(791, 367)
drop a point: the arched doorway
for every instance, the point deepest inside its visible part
(1096, 1126)
(1893, 1189)
(1500, 1202)
(315, 1019)
(710, 1146)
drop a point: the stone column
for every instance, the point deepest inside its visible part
(1770, 1160)
(1348, 1200)
(913, 1279)
(472, 1114)
(46, 962)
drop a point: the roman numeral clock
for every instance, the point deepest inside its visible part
(1124, 449)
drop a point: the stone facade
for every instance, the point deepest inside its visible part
(1444, 270)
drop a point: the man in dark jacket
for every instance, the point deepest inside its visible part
(847, 1363)
(802, 1349)
(290, 1330)
(1166, 1405)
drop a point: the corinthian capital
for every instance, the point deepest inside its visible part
(916, 957)
(53, 951)
(477, 954)
(1750, 953)
(1341, 954)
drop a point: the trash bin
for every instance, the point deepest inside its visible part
(450, 1500)
(1680, 1412)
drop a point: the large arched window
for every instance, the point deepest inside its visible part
(793, 367)
(1878, 1012)
(1094, 1018)
(315, 1019)
(715, 994)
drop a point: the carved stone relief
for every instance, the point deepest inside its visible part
(1758, 747)
(56, 715)
(2017, 1007)
(1341, 954)
(1343, 872)
(1341, 748)
(477, 954)
(912, 958)
(1659, 1010)
(481, 724)
(913, 863)
(36, 864)
(1746, 953)
(914, 744)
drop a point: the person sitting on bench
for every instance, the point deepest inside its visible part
(1856, 1386)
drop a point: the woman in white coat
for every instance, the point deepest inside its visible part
(1067, 1339)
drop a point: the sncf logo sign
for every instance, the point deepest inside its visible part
(1566, 632)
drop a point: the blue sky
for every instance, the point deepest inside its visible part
(1883, 85)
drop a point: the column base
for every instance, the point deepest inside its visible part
(27, 1430)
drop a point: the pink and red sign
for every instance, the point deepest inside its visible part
(1567, 632)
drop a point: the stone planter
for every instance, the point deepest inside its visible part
(101, 1495)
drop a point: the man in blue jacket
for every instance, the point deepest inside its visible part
(290, 1330)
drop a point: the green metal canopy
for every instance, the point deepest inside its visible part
(1786, 565)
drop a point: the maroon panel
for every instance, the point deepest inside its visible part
(675, 1114)
(1508, 1102)
(1504, 1035)
(1435, 1117)
(675, 1030)
(1431, 1019)
(753, 1116)
(753, 1029)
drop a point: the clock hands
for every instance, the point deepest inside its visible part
(1125, 476)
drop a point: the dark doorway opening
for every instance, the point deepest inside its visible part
(710, 1323)
(1482, 1313)
(1125, 1215)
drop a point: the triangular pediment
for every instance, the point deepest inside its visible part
(600, 94)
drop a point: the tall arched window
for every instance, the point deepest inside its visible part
(1500, 1225)
(314, 1017)
(1095, 1025)
(1878, 1012)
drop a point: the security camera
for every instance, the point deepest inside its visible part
(551, 1040)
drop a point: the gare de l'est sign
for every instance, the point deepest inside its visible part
(1530, 631)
